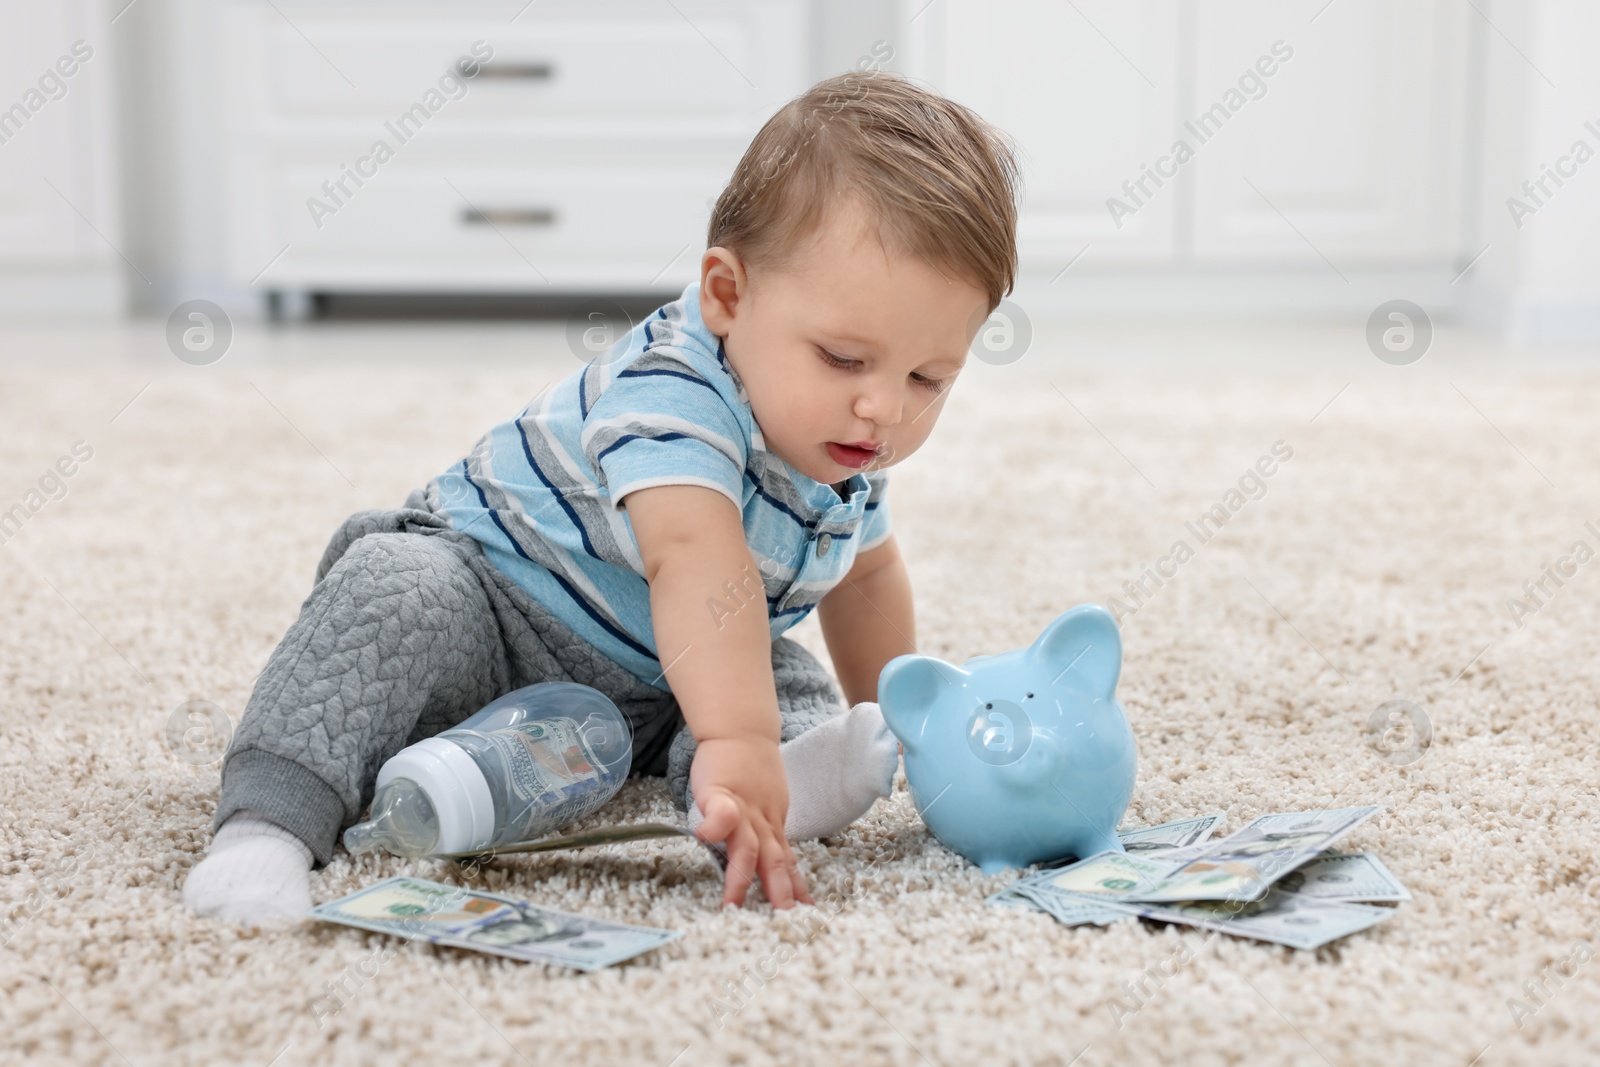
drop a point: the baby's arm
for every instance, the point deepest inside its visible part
(692, 542)
(867, 620)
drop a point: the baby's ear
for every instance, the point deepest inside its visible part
(909, 687)
(1082, 647)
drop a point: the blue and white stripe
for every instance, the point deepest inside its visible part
(664, 407)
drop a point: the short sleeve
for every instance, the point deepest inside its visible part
(660, 421)
(875, 528)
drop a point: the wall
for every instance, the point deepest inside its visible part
(1539, 282)
(171, 132)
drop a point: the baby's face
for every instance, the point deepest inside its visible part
(846, 347)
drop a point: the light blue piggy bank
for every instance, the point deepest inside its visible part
(1023, 756)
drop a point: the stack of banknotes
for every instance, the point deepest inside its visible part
(1276, 880)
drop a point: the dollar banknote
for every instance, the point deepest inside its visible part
(417, 909)
(1105, 876)
(1356, 877)
(599, 835)
(1063, 907)
(1162, 838)
(1073, 911)
(1099, 879)
(1081, 892)
(1089, 890)
(1169, 835)
(1279, 917)
(1243, 865)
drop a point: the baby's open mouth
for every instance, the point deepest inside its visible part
(851, 455)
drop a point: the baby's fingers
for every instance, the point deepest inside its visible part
(744, 848)
(721, 817)
(801, 893)
(780, 874)
(777, 874)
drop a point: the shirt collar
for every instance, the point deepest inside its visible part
(819, 496)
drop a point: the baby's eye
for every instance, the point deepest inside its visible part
(933, 385)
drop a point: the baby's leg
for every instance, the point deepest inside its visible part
(397, 642)
(837, 762)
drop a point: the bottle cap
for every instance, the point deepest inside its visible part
(456, 788)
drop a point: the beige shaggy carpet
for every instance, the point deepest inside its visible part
(1376, 567)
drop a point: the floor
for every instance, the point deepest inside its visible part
(1377, 565)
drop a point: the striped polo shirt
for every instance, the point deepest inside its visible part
(663, 406)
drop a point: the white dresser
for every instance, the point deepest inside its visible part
(582, 154)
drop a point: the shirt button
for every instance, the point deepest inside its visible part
(823, 543)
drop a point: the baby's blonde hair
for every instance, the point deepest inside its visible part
(941, 182)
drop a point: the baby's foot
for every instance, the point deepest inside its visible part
(835, 772)
(254, 869)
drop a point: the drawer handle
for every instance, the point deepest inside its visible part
(533, 71)
(509, 216)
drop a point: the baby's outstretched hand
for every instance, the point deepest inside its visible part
(741, 790)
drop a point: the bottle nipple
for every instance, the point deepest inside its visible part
(403, 822)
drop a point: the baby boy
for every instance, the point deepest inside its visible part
(652, 524)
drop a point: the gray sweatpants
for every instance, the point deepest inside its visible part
(409, 630)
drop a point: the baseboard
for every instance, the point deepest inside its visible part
(1230, 293)
(1556, 322)
(96, 293)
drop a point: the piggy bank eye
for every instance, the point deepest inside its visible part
(1028, 697)
(999, 733)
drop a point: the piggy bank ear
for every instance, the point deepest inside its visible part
(1083, 648)
(908, 687)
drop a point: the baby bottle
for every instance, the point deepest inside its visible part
(529, 763)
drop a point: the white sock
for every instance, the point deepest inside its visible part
(835, 771)
(254, 869)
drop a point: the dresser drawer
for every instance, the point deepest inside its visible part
(498, 228)
(603, 62)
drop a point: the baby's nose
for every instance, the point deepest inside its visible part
(879, 406)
